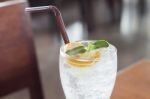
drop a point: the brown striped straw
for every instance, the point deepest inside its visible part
(57, 15)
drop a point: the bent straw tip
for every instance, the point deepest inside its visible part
(27, 9)
(40, 8)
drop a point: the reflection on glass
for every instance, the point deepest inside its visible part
(76, 31)
(130, 19)
(146, 22)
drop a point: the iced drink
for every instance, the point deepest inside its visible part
(88, 69)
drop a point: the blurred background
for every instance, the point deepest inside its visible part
(124, 23)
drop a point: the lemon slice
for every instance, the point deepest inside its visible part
(72, 45)
(84, 60)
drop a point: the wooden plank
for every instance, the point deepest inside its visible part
(18, 64)
(133, 82)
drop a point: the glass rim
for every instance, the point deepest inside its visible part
(62, 53)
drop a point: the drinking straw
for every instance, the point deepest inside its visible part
(58, 17)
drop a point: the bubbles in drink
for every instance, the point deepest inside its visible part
(94, 81)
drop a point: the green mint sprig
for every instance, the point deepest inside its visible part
(91, 46)
(76, 50)
(97, 44)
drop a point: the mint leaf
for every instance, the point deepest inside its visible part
(97, 44)
(100, 44)
(76, 50)
(90, 46)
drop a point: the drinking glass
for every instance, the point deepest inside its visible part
(94, 81)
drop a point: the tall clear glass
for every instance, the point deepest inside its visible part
(95, 81)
